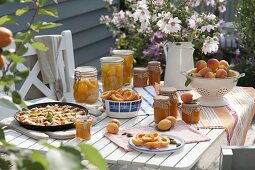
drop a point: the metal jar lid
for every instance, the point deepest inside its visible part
(122, 52)
(111, 59)
(167, 90)
(85, 71)
(153, 63)
(140, 70)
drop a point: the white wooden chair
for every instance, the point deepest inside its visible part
(65, 67)
(237, 158)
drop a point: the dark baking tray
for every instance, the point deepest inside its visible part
(49, 128)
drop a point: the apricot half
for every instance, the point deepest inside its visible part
(140, 135)
(164, 141)
(106, 95)
(117, 97)
(116, 121)
(129, 95)
(138, 142)
(153, 145)
(112, 128)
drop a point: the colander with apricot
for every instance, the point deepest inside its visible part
(121, 103)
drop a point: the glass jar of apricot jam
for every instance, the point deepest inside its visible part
(154, 72)
(140, 77)
(191, 113)
(161, 108)
(85, 88)
(112, 72)
(82, 127)
(173, 99)
(127, 55)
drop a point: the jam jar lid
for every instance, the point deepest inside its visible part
(166, 90)
(161, 98)
(111, 59)
(153, 63)
(140, 70)
(85, 71)
(122, 52)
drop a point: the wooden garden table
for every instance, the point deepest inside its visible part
(190, 156)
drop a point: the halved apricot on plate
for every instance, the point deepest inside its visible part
(164, 141)
(153, 145)
(138, 142)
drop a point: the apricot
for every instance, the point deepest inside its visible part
(2, 62)
(222, 67)
(194, 70)
(164, 124)
(196, 75)
(172, 119)
(120, 91)
(140, 135)
(232, 73)
(201, 64)
(116, 121)
(117, 97)
(210, 75)
(129, 95)
(187, 97)
(112, 128)
(204, 71)
(221, 73)
(106, 95)
(153, 145)
(147, 138)
(224, 63)
(5, 37)
(154, 135)
(213, 63)
(164, 141)
(138, 142)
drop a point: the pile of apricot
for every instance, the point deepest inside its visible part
(213, 68)
(151, 140)
(121, 95)
(113, 126)
(167, 123)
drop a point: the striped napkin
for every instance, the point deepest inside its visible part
(181, 130)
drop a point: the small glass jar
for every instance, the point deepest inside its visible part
(161, 108)
(112, 72)
(141, 76)
(173, 99)
(85, 88)
(82, 127)
(154, 72)
(127, 55)
(191, 113)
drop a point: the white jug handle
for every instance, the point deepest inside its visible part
(165, 49)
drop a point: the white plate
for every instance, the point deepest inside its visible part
(171, 147)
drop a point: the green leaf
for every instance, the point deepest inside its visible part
(49, 12)
(16, 98)
(25, 1)
(16, 58)
(39, 46)
(6, 53)
(93, 156)
(6, 89)
(187, 82)
(2, 2)
(7, 20)
(13, 67)
(71, 150)
(64, 160)
(23, 74)
(42, 2)
(6, 101)
(27, 164)
(2, 137)
(4, 164)
(37, 156)
(49, 116)
(48, 25)
(23, 104)
(22, 49)
(21, 11)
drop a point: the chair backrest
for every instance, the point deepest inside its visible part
(65, 66)
(237, 158)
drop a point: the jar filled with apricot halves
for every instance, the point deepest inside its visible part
(161, 108)
(85, 88)
(171, 92)
(191, 113)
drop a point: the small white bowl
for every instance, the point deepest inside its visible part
(212, 90)
(122, 109)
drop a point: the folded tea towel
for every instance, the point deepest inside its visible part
(181, 130)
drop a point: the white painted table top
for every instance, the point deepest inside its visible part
(185, 158)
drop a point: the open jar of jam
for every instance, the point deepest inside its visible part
(112, 72)
(173, 99)
(161, 108)
(140, 77)
(191, 113)
(85, 88)
(127, 55)
(154, 72)
(82, 127)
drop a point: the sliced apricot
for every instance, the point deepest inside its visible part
(129, 95)
(139, 95)
(106, 95)
(119, 91)
(112, 128)
(116, 121)
(153, 145)
(147, 138)
(138, 142)
(154, 135)
(164, 141)
(117, 97)
(140, 135)
(89, 83)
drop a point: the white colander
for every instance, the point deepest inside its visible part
(212, 90)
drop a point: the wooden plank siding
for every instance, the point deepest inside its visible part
(91, 40)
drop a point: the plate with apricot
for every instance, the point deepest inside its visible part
(155, 143)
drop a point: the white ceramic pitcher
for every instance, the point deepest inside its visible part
(179, 57)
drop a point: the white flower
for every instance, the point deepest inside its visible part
(211, 17)
(209, 2)
(207, 28)
(108, 1)
(210, 45)
(168, 24)
(194, 3)
(222, 8)
(105, 19)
